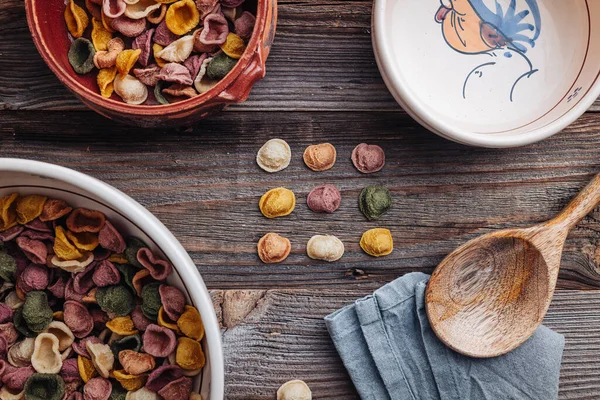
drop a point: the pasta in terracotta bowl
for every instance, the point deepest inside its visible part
(155, 63)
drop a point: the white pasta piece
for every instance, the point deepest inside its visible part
(179, 50)
(130, 89)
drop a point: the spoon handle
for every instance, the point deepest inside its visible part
(580, 206)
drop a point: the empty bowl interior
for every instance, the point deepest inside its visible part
(30, 183)
(489, 67)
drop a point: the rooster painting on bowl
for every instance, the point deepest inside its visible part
(485, 27)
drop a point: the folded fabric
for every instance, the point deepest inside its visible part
(391, 352)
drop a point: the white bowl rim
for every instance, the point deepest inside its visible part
(397, 85)
(165, 240)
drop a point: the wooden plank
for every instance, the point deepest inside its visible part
(283, 337)
(204, 185)
(322, 60)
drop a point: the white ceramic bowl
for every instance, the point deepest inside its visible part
(130, 218)
(490, 76)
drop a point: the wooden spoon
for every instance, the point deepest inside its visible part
(489, 295)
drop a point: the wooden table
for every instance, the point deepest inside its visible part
(322, 85)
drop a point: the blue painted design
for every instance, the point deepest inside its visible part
(471, 27)
(510, 23)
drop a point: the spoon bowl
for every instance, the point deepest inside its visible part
(488, 296)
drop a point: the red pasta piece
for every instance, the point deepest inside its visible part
(159, 269)
(139, 320)
(78, 319)
(129, 27)
(177, 73)
(6, 313)
(74, 396)
(33, 277)
(201, 47)
(206, 6)
(159, 341)
(244, 25)
(70, 371)
(161, 376)
(83, 220)
(173, 301)
(34, 250)
(194, 63)
(231, 3)
(39, 226)
(54, 209)
(97, 389)
(3, 348)
(106, 274)
(114, 8)
(177, 390)
(144, 43)
(58, 287)
(5, 368)
(163, 36)
(15, 380)
(11, 233)
(215, 30)
(9, 333)
(37, 235)
(110, 239)
(71, 294)
(100, 318)
(148, 76)
(83, 281)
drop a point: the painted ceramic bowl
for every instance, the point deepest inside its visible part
(130, 218)
(493, 73)
(50, 35)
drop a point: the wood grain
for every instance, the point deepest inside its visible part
(204, 185)
(489, 295)
(284, 337)
(322, 60)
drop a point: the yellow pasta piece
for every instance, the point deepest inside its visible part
(277, 202)
(8, 212)
(76, 18)
(189, 354)
(100, 36)
(377, 242)
(86, 368)
(85, 241)
(106, 77)
(130, 382)
(106, 23)
(126, 60)
(234, 46)
(118, 258)
(190, 323)
(29, 208)
(122, 326)
(182, 17)
(63, 248)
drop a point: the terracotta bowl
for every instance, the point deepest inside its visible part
(49, 32)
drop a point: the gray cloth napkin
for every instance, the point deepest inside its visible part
(391, 352)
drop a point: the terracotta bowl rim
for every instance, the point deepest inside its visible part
(122, 107)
